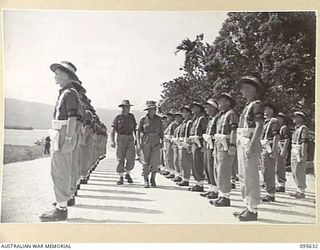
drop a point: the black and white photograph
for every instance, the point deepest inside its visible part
(159, 117)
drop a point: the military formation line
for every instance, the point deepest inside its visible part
(207, 141)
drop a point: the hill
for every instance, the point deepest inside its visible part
(39, 115)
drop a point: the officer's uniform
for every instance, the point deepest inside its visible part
(169, 147)
(152, 131)
(185, 153)
(281, 160)
(197, 130)
(248, 167)
(298, 163)
(125, 126)
(226, 122)
(270, 130)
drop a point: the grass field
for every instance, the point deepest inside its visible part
(15, 153)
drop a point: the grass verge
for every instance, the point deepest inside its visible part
(15, 153)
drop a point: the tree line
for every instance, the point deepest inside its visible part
(277, 47)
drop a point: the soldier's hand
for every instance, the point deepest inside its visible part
(248, 151)
(283, 154)
(113, 144)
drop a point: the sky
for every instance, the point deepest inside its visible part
(118, 55)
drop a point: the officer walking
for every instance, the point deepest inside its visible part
(269, 155)
(125, 126)
(64, 138)
(299, 153)
(248, 147)
(211, 108)
(283, 145)
(197, 130)
(150, 141)
(225, 147)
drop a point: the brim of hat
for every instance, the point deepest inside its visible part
(300, 114)
(196, 104)
(123, 105)
(56, 66)
(186, 108)
(152, 107)
(253, 83)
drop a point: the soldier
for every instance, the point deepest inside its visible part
(185, 153)
(163, 161)
(64, 138)
(176, 145)
(168, 145)
(150, 141)
(269, 143)
(125, 126)
(225, 147)
(75, 180)
(283, 152)
(85, 147)
(248, 147)
(211, 108)
(299, 153)
(197, 130)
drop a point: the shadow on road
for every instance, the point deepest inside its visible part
(120, 209)
(112, 198)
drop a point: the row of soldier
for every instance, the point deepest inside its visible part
(207, 150)
(190, 145)
(78, 140)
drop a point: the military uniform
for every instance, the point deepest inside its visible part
(299, 158)
(197, 130)
(270, 130)
(169, 148)
(227, 122)
(63, 142)
(185, 153)
(151, 130)
(125, 126)
(281, 159)
(85, 147)
(176, 146)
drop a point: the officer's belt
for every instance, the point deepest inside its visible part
(57, 124)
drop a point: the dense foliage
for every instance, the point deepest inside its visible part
(277, 47)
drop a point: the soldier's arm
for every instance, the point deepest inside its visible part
(258, 112)
(304, 137)
(72, 104)
(140, 129)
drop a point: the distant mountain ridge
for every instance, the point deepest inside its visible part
(39, 115)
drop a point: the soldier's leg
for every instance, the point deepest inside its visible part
(170, 155)
(145, 159)
(61, 172)
(301, 176)
(224, 170)
(121, 153)
(212, 171)
(130, 154)
(281, 170)
(251, 181)
(176, 163)
(240, 157)
(185, 160)
(234, 176)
